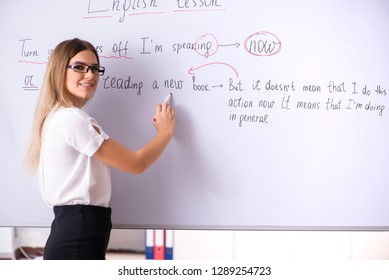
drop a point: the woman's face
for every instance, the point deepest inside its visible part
(82, 85)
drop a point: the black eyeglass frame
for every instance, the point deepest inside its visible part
(96, 69)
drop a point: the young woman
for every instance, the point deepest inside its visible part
(73, 154)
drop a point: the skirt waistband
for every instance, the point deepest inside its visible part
(79, 208)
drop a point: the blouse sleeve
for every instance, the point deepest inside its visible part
(80, 132)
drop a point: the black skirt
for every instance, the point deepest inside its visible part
(79, 232)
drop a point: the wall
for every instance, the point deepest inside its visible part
(281, 245)
(239, 245)
(6, 243)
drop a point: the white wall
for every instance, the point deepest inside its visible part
(6, 242)
(237, 245)
(285, 245)
(31, 237)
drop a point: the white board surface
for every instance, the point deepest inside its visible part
(282, 109)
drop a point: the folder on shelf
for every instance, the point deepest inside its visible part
(159, 244)
(169, 239)
(149, 244)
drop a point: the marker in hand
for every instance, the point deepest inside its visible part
(167, 100)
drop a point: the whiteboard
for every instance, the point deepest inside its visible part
(282, 109)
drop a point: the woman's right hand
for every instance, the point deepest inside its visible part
(165, 119)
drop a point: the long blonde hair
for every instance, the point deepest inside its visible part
(53, 94)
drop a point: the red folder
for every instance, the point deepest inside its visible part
(159, 244)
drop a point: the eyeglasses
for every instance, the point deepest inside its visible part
(84, 68)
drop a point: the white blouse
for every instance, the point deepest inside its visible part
(68, 172)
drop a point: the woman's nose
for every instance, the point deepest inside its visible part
(88, 75)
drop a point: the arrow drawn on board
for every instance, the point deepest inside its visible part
(236, 45)
(193, 70)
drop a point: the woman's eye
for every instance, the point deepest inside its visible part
(79, 67)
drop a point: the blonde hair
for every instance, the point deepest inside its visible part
(53, 94)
